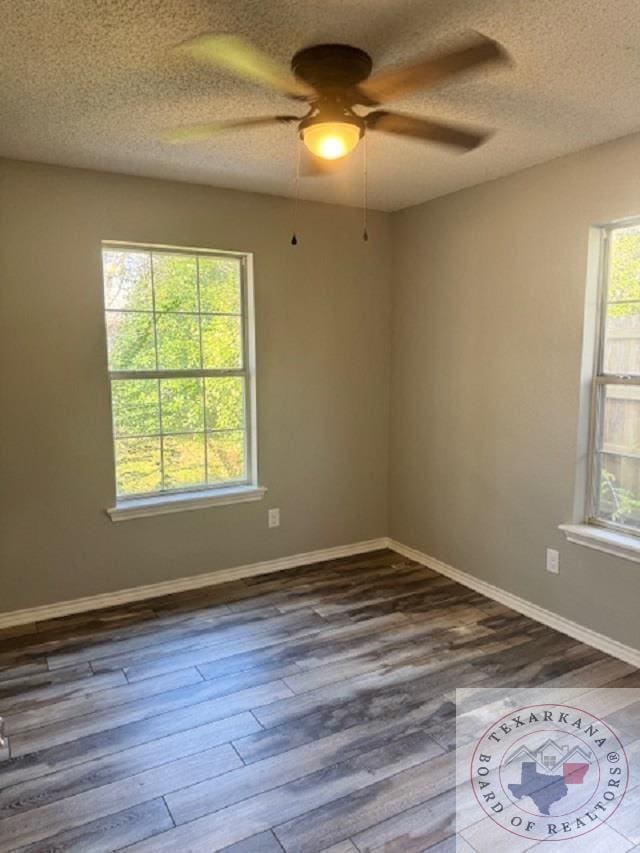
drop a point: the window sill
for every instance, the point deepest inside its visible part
(163, 504)
(601, 539)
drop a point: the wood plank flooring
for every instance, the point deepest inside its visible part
(310, 711)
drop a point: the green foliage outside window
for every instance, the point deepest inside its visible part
(175, 312)
(618, 503)
(624, 272)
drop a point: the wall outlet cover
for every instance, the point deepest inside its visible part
(553, 561)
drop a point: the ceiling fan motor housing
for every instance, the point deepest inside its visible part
(324, 111)
(331, 67)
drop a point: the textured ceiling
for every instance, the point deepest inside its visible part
(92, 83)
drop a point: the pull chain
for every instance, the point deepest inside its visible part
(365, 233)
(294, 237)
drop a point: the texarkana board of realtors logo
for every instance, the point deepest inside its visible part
(549, 772)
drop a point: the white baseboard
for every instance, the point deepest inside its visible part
(110, 599)
(565, 626)
(139, 593)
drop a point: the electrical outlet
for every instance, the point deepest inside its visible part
(553, 561)
(274, 518)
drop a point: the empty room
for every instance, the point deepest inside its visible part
(319, 426)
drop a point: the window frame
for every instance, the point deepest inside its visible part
(209, 494)
(600, 381)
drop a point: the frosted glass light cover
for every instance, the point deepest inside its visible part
(331, 139)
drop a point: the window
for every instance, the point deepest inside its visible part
(180, 366)
(614, 499)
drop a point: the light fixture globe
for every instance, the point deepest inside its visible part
(331, 139)
(331, 130)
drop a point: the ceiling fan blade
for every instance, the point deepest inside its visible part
(242, 58)
(422, 128)
(200, 132)
(426, 73)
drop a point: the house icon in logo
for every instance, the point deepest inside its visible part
(550, 755)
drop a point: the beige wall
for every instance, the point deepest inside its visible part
(322, 370)
(488, 300)
(487, 324)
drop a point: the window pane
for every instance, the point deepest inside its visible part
(183, 457)
(127, 280)
(135, 407)
(182, 405)
(619, 494)
(622, 339)
(172, 311)
(624, 264)
(618, 498)
(178, 342)
(138, 465)
(225, 456)
(220, 285)
(221, 342)
(130, 341)
(175, 282)
(621, 419)
(224, 402)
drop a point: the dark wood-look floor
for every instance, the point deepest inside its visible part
(309, 710)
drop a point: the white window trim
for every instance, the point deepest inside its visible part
(142, 506)
(593, 532)
(183, 501)
(604, 539)
(600, 381)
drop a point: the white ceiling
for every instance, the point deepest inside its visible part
(92, 83)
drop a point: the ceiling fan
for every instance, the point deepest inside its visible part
(333, 79)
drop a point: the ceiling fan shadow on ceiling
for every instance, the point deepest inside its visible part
(334, 79)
